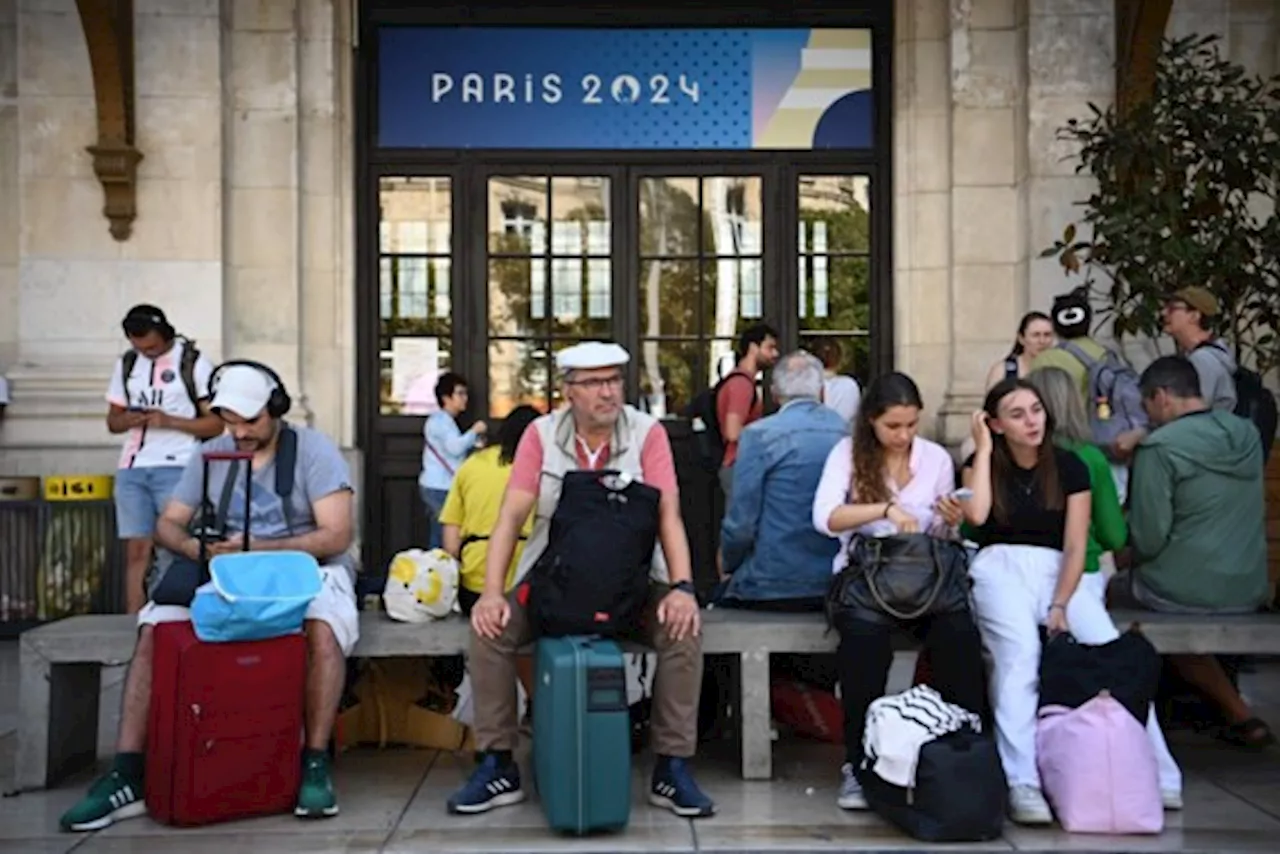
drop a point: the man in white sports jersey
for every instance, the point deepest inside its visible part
(158, 396)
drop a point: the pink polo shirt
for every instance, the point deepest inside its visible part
(657, 466)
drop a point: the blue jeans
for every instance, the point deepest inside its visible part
(140, 497)
(434, 499)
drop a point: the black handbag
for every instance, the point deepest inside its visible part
(900, 578)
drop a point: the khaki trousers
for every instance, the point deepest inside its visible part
(677, 683)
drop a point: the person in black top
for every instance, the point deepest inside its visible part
(1030, 507)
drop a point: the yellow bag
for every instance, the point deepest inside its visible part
(400, 704)
(421, 586)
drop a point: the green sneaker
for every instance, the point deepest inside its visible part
(113, 797)
(315, 795)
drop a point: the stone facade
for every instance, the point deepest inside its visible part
(245, 226)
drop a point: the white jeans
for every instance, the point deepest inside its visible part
(1013, 587)
(334, 605)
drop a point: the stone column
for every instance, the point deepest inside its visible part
(261, 190)
(988, 216)
(1072, 64)
(9, 210)
(922, 197)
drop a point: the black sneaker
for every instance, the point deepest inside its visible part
(490, 785)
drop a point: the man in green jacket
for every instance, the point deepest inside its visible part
(1197, 521)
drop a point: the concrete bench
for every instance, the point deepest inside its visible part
(60, 663)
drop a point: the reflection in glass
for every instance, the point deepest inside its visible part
(731, 207)
(732, 292)
(580, 212)
(834, 293)
(834, 214)
(672, 372)
(669, 217)
(518, 215)
(668, 298)
(582, 285)
(517, 296)
(522, 372)
(854, 352)
(416, 215)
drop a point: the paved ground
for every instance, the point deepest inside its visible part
(393, 801)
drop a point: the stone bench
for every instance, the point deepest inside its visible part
(60, 663)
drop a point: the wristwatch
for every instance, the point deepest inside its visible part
(685, 587)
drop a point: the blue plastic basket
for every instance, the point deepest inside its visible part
(255, 596)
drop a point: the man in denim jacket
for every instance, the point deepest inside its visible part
(773, 557)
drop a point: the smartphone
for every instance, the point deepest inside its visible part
(964, 493)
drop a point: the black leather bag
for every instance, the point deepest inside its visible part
(901, 578)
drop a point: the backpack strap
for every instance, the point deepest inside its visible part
(1010, 368)
(187, 370)
(127, 363)
(1076, 350)
(286, 465)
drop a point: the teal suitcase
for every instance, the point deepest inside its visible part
(582, 735)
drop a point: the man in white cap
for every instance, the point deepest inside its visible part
(315, 516)
(596, 431)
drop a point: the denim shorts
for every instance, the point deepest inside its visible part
(140, 495)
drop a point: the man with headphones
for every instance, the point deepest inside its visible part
(302, 501)
(158, 397)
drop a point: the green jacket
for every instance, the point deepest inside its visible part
(1196, 504)
(1107, 529)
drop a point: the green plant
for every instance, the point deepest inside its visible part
(1186, 195)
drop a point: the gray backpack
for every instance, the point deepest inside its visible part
(1114, 403)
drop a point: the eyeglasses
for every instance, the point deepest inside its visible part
(598, 383)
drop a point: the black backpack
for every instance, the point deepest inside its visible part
(1254, 401)
(186, 370)
(593, 577)
(1072, 673)
(708, 441)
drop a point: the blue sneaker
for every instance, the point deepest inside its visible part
(674, 788)
(491, 785)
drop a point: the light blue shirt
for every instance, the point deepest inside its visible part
(444, 448)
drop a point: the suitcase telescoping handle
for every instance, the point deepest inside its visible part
(234, 456)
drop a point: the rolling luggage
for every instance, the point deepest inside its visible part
(582, 735)
(225, 728)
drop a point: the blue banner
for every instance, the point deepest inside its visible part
(673, 89)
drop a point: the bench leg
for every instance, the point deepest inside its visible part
(754, 716)
(57, 719)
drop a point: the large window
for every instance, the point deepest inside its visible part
(550, 280)
(701, 281)
(415, 280)
(834, 268)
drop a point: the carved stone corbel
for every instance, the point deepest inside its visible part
(108, 33)
(1140, 26)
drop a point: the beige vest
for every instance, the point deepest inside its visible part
(559, 455)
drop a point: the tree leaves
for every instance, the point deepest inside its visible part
(1187, 191)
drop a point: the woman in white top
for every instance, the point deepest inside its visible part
(840, 392)
(887, 480)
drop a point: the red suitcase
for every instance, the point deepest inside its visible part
(226, 727)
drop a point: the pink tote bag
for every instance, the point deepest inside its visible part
(1097, 768)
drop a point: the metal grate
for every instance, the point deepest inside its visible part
(58, 559)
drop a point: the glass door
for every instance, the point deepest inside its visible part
(550, 278)
(701, 263)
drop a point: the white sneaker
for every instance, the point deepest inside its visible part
(1028, 806)
(851, 797)
(1172, 799)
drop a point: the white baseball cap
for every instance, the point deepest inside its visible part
(243, 390)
